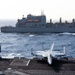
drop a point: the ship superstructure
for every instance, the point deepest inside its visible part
(32, 21)
(37, 24)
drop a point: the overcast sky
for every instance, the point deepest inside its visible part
(14, 9)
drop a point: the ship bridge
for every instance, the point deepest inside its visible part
(31, 21)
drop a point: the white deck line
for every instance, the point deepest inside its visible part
(11, 62)
(28, 63)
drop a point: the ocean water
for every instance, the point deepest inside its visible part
(20, 44)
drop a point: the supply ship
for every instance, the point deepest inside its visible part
(38, 24)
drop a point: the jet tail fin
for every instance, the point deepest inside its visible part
(52, 46)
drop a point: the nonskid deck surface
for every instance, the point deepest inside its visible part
(36, 67)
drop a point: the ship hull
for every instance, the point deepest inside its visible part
(37, 30)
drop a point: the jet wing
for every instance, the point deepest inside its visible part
(57, 53)
(42, 53)
(49, 59)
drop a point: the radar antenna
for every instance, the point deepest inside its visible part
(42, 12)
(23, 16)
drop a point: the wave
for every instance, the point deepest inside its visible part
(31, 35)
(11, 55)
(66, 33)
